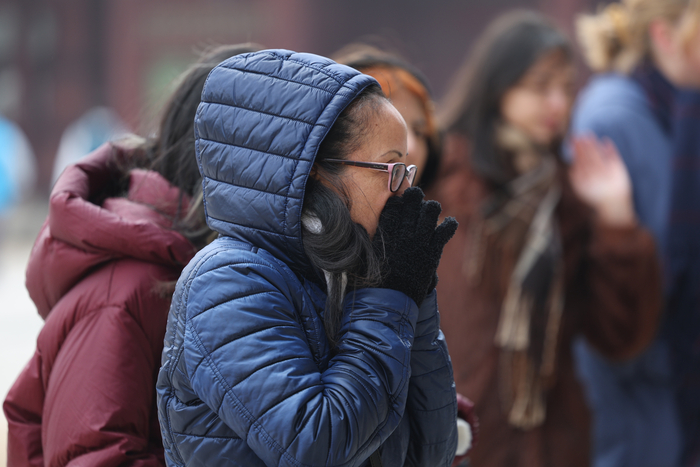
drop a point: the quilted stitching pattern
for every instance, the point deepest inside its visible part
(303, 96)
(247, 377)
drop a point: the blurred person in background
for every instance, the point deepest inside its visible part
(91, 130)
(408, 91)
(17, 166)
(548, 253)
(646, 100)
(307, 333)
(122, 224)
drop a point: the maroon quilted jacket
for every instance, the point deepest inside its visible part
(87, 396)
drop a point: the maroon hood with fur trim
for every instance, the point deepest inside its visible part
(79, 235)
(87, 395)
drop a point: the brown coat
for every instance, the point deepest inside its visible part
(613, 297)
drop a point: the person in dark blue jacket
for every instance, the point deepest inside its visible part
(308, 332)
(647, 409)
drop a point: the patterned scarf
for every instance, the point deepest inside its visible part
(519, 234)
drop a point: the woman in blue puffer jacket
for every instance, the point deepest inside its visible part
(308, 332)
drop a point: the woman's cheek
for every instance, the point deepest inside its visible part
(418, 156)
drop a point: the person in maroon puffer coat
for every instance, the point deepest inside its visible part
(101, 274)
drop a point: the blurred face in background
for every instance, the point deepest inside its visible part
(676, 49)
(539, 104)
(411, 109)
(692, 50)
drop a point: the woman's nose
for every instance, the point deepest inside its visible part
(402, 188)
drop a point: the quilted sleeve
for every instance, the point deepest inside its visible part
(97, 403)
(432, 400)
(246, 355)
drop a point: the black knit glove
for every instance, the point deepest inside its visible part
(410, 244)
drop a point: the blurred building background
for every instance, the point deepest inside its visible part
(61, 60)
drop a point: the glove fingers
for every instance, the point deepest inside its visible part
(409, 243)
(389, 223)
(412, 201)
(430, 212)
(413, 195)
(443, 234)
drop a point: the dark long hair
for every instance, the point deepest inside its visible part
(341, 246)
(171, 151)
(503, 54)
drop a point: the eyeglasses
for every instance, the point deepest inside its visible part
(397, 171)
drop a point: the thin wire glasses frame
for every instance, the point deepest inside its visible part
(398, 171)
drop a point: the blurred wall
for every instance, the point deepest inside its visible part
(59, 58)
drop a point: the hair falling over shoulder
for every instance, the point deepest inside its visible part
(333, 242)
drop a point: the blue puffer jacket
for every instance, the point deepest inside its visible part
(248, 377)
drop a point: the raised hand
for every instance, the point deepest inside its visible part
(410, 242)
(600, 179)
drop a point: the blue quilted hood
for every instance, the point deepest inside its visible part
(258, 128)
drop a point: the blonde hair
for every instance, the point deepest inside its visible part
(617, 37)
